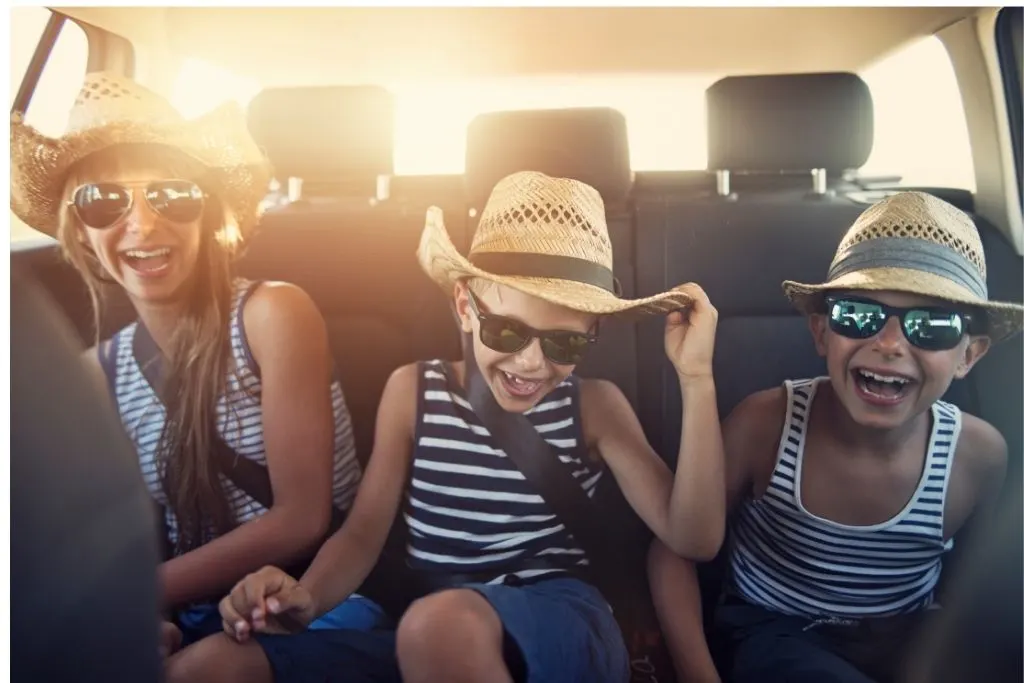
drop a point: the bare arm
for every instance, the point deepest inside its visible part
(346, 559)
(676, 594)
(645, 479)
(688, 512)
(750, 434)
(288, 340)
(976, 480)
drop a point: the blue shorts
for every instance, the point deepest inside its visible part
(563, 629)
(556, 630)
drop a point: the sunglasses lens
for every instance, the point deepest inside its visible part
(100, 205)
(565, 348)
(933, 329)
(855, 319)
(179, 201)
(503, 335)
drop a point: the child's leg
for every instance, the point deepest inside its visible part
(452, 635)
(554, 630)
(676, 596)
(354, 643)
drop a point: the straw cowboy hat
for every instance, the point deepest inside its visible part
(916, 243)
(113, 110)
(543, 236)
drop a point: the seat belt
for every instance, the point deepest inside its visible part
(538, 461)
(251, 477)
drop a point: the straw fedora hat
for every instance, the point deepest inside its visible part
(916, 243)
(543, 236)
(114, 110)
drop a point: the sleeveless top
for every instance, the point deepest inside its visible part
(786, 559)
(468, 507)
(239, 418)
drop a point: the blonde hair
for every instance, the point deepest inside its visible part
(198, 358)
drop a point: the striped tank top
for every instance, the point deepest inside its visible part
(468, 507)
(788, 560)
(239, 418)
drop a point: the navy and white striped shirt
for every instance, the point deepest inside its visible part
(239, 418)
(468, 507)
(786, 559)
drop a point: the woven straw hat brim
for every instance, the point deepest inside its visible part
(1005, 319)
(218, 140)
(445, 265)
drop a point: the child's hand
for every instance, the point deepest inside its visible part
(267, 601)
(690, 335)
(170, 639)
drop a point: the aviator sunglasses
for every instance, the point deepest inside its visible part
(930, 328)
(101, 205)
(507, 335)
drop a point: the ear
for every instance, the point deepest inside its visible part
(975, 350)
(818, 326)
(463, 311)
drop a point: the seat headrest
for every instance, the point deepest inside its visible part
(325, 134)
(792, 122)
(586, 144)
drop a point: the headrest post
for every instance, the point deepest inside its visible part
(294, 189)
(383, 188)
(722, 185)
(819, 178)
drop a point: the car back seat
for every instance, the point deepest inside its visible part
(740, 245)
(355, 257)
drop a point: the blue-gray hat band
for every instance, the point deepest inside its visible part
(912, 254)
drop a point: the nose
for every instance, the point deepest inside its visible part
(530, 359)
(140, 220)
(890, 340)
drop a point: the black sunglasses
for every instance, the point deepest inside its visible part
(507, 335)
(101, 205)
(930, 328)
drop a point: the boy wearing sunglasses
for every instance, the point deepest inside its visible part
(508, 598)
(845, 491)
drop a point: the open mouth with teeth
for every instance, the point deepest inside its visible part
(517, 386)
(881, 388)
(148, 261)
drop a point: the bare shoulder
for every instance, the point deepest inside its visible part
(277, 302)
(751, 434)
(600, 392)
(280, 313)
(404, 379)
(759, 417)
(604, 407)
(398, 403)
(981, 451)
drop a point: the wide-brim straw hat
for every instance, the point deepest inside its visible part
(543, 236)
(113, 110)
(915, 243)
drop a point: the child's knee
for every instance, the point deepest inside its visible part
(448, 622)
(218, 658)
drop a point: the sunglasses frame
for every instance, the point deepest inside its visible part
(130, 188)
(591, 338)
(900, 313)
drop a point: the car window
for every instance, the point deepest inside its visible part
(920, 126)
(58, 85)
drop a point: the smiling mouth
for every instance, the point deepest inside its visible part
(882, 387)
(149, 261)
(518, 386)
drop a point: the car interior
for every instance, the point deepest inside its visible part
(788, 122)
